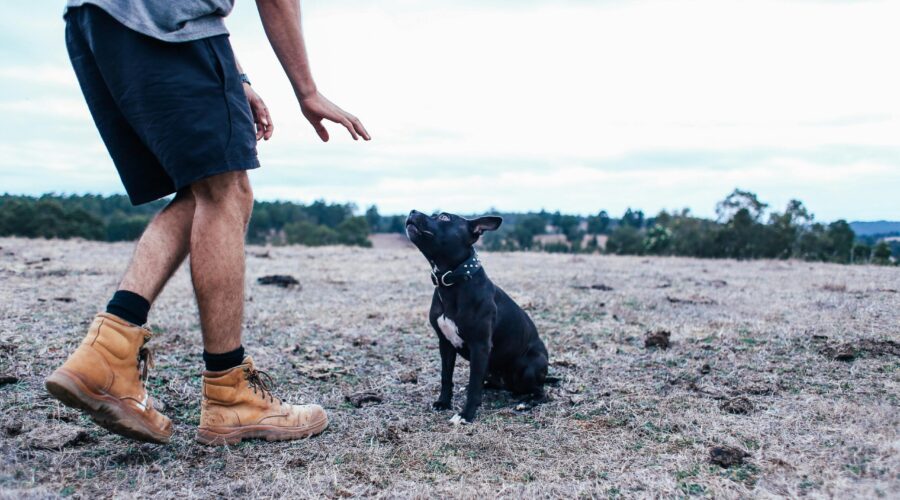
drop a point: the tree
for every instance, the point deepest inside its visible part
(303, 232)
(881, 254)
(784, 230)
(374, 219)
(658, 240)
(740, 200)
(625, 240)
(598, 224)
(524, 231)
(861, 253)
(633, 219)
(354, 231)
(840, 238)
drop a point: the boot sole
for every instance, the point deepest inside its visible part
(105, 410)
(234, 435)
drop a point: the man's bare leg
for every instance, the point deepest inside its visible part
(223, 204)
(161, 249)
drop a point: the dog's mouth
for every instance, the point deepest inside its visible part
(413, 230)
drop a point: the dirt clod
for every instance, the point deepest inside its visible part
(358, 399)
(705, 369)
(410, 377)
(727, 456)
(659, 338)
(845, 352)
(693, 300)
(739, 405)
(282, 280)
(64, 299)
(848, 351)
(55, 437)
(602, 287)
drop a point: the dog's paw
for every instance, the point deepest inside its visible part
(523, 407)
(440, 405)
(459, 420)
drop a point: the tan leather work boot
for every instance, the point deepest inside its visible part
(238, 404)
(105, 378)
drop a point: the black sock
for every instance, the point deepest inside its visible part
(224, 361)
(129, 306)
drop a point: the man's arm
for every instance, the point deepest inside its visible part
(281, 20)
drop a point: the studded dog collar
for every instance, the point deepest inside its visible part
(463, 272)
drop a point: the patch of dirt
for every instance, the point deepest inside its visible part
(869, 348)
(739, 405)
(693, 299)
(597, 286)
(358, 399)
(658, 339)
(727, 456)
(55, 437)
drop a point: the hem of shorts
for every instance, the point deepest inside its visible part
(245, 163)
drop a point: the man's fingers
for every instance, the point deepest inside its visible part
(359, 128)
(267, 121)
(349, 126)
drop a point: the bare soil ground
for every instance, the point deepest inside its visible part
(795, 365)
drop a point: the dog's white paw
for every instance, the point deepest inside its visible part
(522, 407)
(458, 420)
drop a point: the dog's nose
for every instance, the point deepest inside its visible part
(412, 213)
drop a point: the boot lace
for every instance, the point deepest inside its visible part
(145, 363)
(262, 382)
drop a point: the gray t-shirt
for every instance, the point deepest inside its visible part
(167, 20)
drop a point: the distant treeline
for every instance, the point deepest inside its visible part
(743, 229)
(113, 218)
(740, 231)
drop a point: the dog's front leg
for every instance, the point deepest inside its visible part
(479, 352)
(448, 363)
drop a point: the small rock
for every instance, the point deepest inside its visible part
(727, 456)
(739, 405)
(705, 369)
(64, 299)
(659, 339)
(55, 437)
(8, 379)
(359, 399)
(261, 255)
(282, 280)
(410, 377)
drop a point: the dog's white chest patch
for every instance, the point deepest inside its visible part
(450, 331)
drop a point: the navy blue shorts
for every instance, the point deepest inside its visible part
(170, 114)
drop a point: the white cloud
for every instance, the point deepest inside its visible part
(515, 105)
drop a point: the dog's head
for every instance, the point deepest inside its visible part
(447, 239)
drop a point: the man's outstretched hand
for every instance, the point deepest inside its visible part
(317, 108)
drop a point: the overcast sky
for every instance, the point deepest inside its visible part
(523, 105)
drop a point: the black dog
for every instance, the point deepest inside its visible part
(475, 318)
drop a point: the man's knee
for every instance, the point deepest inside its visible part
(230, 190)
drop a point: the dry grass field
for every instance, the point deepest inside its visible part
(795, 364)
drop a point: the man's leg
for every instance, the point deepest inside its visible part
(162, 248)
(103, 377)
(223, 206)
(237, 401)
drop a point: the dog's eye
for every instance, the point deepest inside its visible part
(444, 217)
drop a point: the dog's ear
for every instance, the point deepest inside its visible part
(482, 224)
